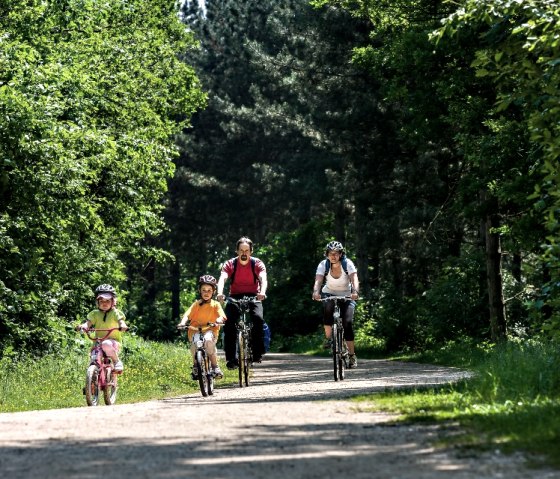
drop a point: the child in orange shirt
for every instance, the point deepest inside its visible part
(200, 313)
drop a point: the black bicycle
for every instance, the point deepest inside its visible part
(244, 349)
(201, 360)
(339, 348)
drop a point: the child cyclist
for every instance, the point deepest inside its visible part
(200, 313)
(107, 316)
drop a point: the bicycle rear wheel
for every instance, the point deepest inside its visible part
(110, 389)
(202, 373)
(92, 385)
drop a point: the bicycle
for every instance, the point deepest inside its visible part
(339, 348)
(100, 374)
(244, 349)
(201, 360)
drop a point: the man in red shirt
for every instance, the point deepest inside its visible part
(247, 278)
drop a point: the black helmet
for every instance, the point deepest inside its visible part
(105, 290)
(334, 246)
(207, 279)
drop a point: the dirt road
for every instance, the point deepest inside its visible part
(293, 422)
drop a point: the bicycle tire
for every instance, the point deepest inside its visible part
(92, 385)
(335, 349)
(341, 353)
(210, 376)
(247, 359)
(110, 389)
(240, 356)
(202, 373)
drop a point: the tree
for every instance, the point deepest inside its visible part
(91, 94)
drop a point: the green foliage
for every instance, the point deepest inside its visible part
(91, 94)
(518, 53)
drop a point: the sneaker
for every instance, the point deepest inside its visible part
(218, 374)
(257, 359)
(327, 344)
(233, 364)
(194, 373)
(353, 362)
(118, 366)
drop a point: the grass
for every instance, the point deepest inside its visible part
(152, 371)
(511, 403)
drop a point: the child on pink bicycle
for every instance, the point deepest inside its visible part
(107, 316)
(199, 314)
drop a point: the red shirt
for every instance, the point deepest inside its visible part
(244, 281)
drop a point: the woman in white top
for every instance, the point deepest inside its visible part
(337, 276)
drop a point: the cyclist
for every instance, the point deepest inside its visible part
(203, 311)
(247, 278)
(340, 278)
(107, 316)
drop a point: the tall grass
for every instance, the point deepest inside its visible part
(152, 371)
(512, 402)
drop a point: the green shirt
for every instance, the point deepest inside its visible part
(106, 320)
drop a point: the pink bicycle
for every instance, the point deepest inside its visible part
(100, 375)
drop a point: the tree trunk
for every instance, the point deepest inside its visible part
(361, 226)
(498, 328)
(175, 291)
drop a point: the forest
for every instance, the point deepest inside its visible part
(139, 140)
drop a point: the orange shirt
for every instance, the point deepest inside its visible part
(202, 314)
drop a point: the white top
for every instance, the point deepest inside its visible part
(337, 286)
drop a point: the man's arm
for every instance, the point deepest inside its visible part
(263, 280)
(220, 287)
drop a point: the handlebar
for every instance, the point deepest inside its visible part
(245, 300)
(199, 328)
(332, 298)
(93, 330)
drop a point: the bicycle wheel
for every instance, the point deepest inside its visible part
(92, 385)
(240, 356)
(335, 350)
(110, 389)
(247, 359)
(202, 373)
(341, 353)
(210, 376)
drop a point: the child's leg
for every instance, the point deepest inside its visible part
(210, 347)
(111, 349)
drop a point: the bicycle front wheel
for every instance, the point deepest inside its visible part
(202, 373)
(92, 385)
(335, 350)
(247, 359)
(240, 357)
(342, 353)
(210, 376)
(110, 389)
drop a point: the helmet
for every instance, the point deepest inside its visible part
(207, 279)
(334, 246)
(105, 290)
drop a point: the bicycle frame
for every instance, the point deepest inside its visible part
(100, 374)
(202, 360)
(244, 349)
(339, 347)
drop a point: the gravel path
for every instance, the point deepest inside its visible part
(294, 421)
